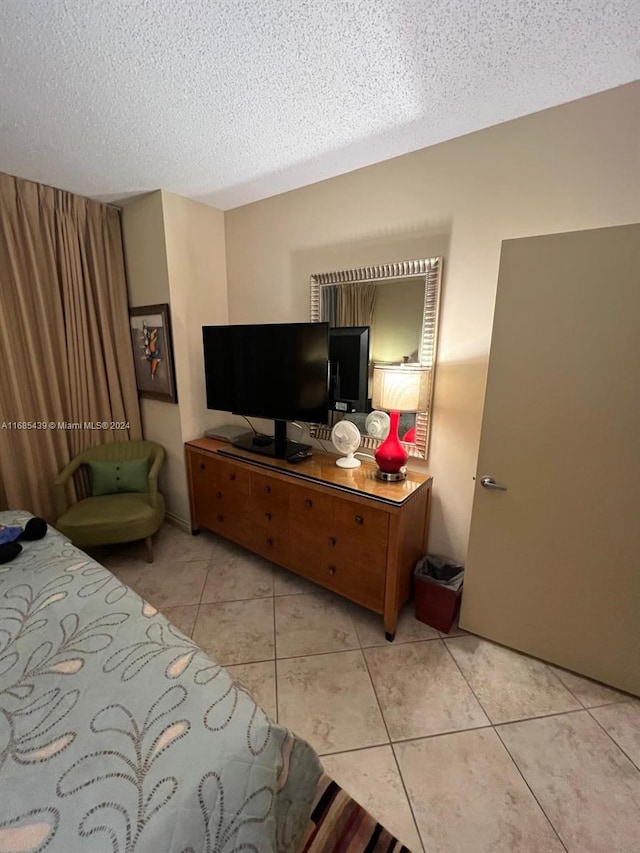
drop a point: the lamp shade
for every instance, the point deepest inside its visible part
(401, 388)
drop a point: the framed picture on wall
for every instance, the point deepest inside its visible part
(153, 352)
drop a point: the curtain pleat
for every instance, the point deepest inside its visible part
(65, 346)
(355, 304)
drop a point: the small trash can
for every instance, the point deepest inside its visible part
(437, 591)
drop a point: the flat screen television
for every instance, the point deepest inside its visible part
(274, 371)
(349, 368)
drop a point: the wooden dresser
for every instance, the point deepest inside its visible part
(341, 528)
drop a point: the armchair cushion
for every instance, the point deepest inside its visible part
(109, 477)
(106, 519)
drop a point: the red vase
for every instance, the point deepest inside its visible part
(391, 455)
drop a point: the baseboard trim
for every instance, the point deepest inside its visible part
(176, 521)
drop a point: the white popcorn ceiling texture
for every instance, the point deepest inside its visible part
(228, 101)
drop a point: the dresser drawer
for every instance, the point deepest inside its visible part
(203, 485)
(358, 571)
(269, 494)
(343, 566)
(348, 550)
(308, 553)
(233, 477)
(269, 517)
(310, 506)
(210, 473)
(270, 543)
(366, 524)
(229, 523)
(225, 498)
(202, 479)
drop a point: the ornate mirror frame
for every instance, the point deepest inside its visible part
(429, 269)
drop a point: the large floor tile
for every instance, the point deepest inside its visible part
(589, 693)
(622, 722)
(128, 574)
(421, 691)
(288, 583)
(588, 788)
(237, 575)
(260, 680)
(313, 623)
(509, 685)
(173, 585)
(468, 796)
(329, 701)
(370, 627)
(236, 631)
(183, 617)
(120, 556)
(172, 545)
(371, 777)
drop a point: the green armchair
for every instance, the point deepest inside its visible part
(110, 518)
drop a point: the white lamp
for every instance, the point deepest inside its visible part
(398, 388)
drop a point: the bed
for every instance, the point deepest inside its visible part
(118, 733)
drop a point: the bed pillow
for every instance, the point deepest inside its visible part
(109, 478)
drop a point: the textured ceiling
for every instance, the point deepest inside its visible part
(228, 101)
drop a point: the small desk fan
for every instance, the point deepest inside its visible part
(346, 439)
(377, 424)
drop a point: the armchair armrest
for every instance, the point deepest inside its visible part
(153, 476)
(60, 486)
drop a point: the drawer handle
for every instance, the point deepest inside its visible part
(218, 494)
(202, 466)
(232, 477)
(269, 541)
(308, 502)
(332, 570)
(267, 490)
(359, 519)
(332, 540)
(220, 517)
(267, 515)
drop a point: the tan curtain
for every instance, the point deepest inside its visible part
(65, 346)
(355, 304)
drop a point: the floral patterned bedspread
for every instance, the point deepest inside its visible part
(118, 734)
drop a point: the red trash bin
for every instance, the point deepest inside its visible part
(438, 591)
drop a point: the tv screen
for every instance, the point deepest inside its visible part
(349, 368)
(276, 371)
(219, 347)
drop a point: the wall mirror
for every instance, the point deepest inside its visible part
(400, 304)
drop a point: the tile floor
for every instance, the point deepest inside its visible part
(454, 743)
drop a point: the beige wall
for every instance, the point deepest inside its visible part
(572, 167)
(174, 251)
(148, 284)
(194, 236)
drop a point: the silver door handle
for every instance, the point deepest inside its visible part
(490, 483)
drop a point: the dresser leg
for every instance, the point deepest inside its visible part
(390, 620)
(195, 531)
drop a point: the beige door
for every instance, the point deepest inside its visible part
(553, 567)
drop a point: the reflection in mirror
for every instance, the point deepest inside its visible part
(399, 304)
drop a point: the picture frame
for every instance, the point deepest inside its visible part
(150, 327)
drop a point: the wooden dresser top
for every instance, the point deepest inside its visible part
(321, 468)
